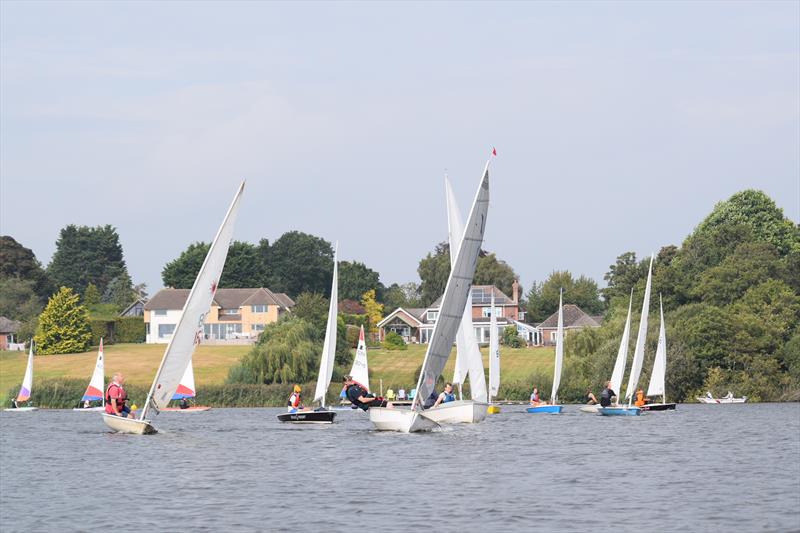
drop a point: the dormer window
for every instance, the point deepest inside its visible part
(258, 308)
(230, 311)
(432, 316)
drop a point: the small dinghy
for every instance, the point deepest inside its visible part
(657, 385)
(185, 391)
(25, 391)
(546, 409)
(323, 415)
(728, 398)
(619, 410)
(458, 412)
(192, 409)
(553, 408)
(94, 392)
(589, 409)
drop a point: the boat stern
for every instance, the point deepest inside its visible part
(130, 426)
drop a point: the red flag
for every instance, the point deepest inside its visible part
(494, 151)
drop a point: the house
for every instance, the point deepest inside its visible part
(574, 318)
(135, 309)
(8, 333)
(415, 325)
(234, 313)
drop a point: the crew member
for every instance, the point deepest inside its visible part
(360, 396)
(446, 395)
(606, 396)
(117, 398)
(295, 402)
(590, 398)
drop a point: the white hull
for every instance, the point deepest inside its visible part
(21, 409)
(458, 412)
(402, 420)
(589, 409)
(131, 426)
(722, 400)
(89, 409)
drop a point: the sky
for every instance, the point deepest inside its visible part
(618, 126)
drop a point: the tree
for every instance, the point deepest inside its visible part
(18, 299)
(622, 276)
(299, 263)
(492, 271)
(750, 264)
(372, 309)
(405, 296)
(91, 296)
(286, 352)
(313, 308)
(244, 267)
(85, 255)
(542, 299)
(63, 325)
(355, 279)
(120, 292)
(19, 262)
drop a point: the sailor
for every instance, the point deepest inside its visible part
(116, 397)
(606, 396)
(446, 395)
(640, 401)
(184, 403)
(430, 400)
(590, 398)
(360, 396)
(535, 400)
(295, 402)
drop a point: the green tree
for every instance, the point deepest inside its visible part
(355, 279)
(372, 308)
(750, 264)
(542, 298)
(120, 292)
(313, 308)
(299, 263)
(244, 267)
(91, 296)
(18, 299)
(623, 275)
(85, 255)
(493, 271)
(405, 296)
(286, 352)
(63, 325)
(18, 262)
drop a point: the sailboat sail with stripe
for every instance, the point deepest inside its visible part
(96, 390)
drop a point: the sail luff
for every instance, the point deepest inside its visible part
(360, 370)
(638, 354)
(559, 350)
(329, 346)
(27, 380)
(494, 354)
(658, 377)
(622, 354)
(188, 332)
(457, 291)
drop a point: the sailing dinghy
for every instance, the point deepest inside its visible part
(638, 357)
(553, 408)
(186, 389)
(469, 360)
(728, 398)
(360, 370)
(27, 386)
(95, 390)
(322, 415)
(188, 332)
(658, 377)
(457, 292)
(494, 361)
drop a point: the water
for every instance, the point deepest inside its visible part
(700, 468)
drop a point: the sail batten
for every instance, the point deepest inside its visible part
(638, 354)
(329, 346)
(658, 377)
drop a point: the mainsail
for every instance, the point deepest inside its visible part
(638, 354)
(189, 330)
(95, 390)
(559, 350)
(622, 354)
(468, 354)
(186, 386)
(329, 346)
(494, 354)
(27, 381)
(360, 371)
(658, 376)
(456, 293)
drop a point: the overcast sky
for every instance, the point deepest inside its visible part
(618, 126)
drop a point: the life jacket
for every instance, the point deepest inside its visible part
(449, 397)
(123, 396)
(639, 399)
(294, 400)
(536, 396)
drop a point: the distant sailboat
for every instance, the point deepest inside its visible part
(657, 385)
(456, 293)
(96, 389)
(188, 332)
(553, 407)
(494, 360)
(186, 389)
(322, 415)
(27, 386)
(360, 370)
(469, 360)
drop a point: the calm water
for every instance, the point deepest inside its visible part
(701, 468)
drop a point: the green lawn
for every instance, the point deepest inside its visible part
(139, 362)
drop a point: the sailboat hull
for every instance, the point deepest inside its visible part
(545, 409)
(589, 409)
(402, 420)
(721, 400)
(89, 409)
(458, 412)
(308, 417)
(619, 411)
(20, 409)
(658, 407)
(130, 426)
(194, 409)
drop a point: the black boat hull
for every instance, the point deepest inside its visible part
(659, 407)
(308, 417)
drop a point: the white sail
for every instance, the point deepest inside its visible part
(186, 386)
(189, 330)
(638, 354)
(329, 346)
(96, 389)
(456, 293)
(622, 354)
(360, 371)
(657, 378)
(469, 360)
(559, 350)
(27, 381)
(494, 354)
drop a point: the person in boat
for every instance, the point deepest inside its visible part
(640, 400)
(295, 400)
(184, 404)
(87, 404)
(430, 400)
(535, 399)
(590, 398)
(117, 398)
(709, 395)
(360, 397)
(446, 395)
(607, 395)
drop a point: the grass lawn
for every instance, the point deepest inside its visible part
(139, 362)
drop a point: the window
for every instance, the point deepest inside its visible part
(165, 330)
(160, 312)
(487, 311)
(230, 311)
(424, 335)
(553, 335)
(147, 328)
(258, 308)
(257, 327)
(433, 315)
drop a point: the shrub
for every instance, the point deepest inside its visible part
(63, 325)
(393, 341)
(129, 329)
(511, 337)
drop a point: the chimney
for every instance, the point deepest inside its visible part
(515, 291)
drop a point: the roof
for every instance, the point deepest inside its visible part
(574, 317)
(224, 298)
(482, 295)
(9, 326)
(406, 316)
(134, 304)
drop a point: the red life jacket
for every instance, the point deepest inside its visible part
(123, 397)
(296, 403)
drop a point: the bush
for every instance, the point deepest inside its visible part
(63, 325)
(102, 328)
(393, 341)
(129, 329)
(511, 337)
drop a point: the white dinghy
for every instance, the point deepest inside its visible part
(188, 332)
(360, 370)
(27, 386)
(553, 408)
(468, 354)
(456, 293)
(96, 389)
(185, 390)
(728, 398)
(322, 415)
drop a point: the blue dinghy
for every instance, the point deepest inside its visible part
(550, 409)
(619, 411)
